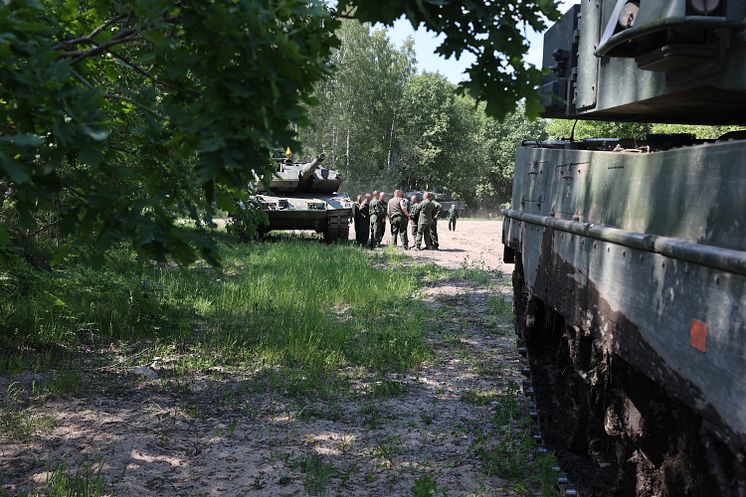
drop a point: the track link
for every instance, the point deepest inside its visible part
(337, 226)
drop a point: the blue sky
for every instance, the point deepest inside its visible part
(426, 42)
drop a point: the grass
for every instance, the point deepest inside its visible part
(509, 452)
(62, 482)
(272, 306)
(389, 448)
(317, 474)
(476, 271)
(66, 382)
(424, 486)
(17, 423)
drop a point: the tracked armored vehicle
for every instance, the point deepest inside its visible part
(303, 196)
(630, 253)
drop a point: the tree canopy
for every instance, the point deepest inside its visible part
(119, 119)
(385, 125)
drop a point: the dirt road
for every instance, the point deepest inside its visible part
(448, 429)
(474, 241)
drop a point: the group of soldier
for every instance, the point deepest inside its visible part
(371, 211)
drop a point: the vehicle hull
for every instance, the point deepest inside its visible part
(643, 258)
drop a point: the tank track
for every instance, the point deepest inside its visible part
(615, 431)
(563, 484)
(337, 227)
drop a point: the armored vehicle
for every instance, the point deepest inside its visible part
(630, 254)
(303, 196)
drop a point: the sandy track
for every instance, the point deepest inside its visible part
(474, 241)
(238, 434)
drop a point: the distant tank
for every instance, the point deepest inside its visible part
(303, 196)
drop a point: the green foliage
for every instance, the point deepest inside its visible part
(492, 31)
(424, 486)
(386, 127)
(510, 453)
(291, 303)
(247, 220)
(497, 143)
(359, 103)
(562, 128)
(16, 423)
(66, 382)
(476, 272)
(318, 474)
(120, 118)
(88, 481)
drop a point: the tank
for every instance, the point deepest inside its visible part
(630, 252)
(303, 196)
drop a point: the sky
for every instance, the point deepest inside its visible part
(426, 42)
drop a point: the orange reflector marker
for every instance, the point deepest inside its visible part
(698, 335)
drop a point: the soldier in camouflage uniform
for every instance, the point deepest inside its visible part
(373, 218)
(414, 215)
(437, 210)
(452, 216)
(360, 216)
(398, 214)
(425, 211)
(378, 222)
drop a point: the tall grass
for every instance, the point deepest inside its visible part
(294, 303)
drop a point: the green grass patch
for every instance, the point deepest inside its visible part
(478, 398)
(317, 474)
(66, 382)
(476, 271)
(294, 304)
(87, 481)
(500, 307)
(508, 451)
(17, 423)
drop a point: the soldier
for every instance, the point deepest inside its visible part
(452, 216)
(380, 227)
(405, 221)
(425, 211)
(398, 214)
(362, 220)
(414, 215)
(437, 210)
(373, 218)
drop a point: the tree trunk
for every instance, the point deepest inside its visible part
(334, 145)
(348, 150)
(391, 140)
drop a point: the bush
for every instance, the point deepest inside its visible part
(248, 221)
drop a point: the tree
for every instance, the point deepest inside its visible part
(500, 140)
(562, 128)
(426, 114)
(491, 31)
(357, 120)
(118, 118)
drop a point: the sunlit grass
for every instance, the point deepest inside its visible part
(293, 303)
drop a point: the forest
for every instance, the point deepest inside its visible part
(386, 123)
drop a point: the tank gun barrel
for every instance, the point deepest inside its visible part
(309, 168)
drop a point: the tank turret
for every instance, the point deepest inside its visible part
(308, 169)
(303, 177)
